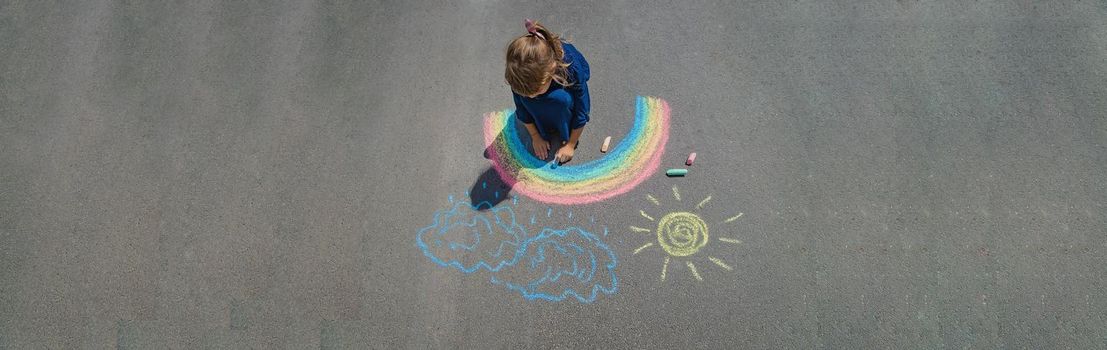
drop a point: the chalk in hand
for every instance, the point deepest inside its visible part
(691, 158)
(676, 172)
(606, 143)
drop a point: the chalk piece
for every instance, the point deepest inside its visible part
(606, 143)
(676, 172)
(553, 164)
(691, 158)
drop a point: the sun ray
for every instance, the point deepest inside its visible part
(702, 203)
(720, 263)
(643, 212)
(730, 240)
(653, 200)
(642, 247)
(639, 229)
(664, 267)
(734, 218)
(676, 193)
(692, 267)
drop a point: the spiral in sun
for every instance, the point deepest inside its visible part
(682, 235)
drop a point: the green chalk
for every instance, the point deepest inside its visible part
(676, 172)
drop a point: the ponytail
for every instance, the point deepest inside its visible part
(534, 57)
(561, 72)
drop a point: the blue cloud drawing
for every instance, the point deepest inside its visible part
(470, 240)
(552, 265)
(557, 264)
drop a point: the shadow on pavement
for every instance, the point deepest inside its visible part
(488, 190)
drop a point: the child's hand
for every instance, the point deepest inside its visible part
(564, 154)
(541, 147)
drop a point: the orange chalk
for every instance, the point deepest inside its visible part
(606, 143)
(691, 158)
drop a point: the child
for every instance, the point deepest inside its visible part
(548, 82)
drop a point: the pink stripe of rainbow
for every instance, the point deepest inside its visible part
(632, 161)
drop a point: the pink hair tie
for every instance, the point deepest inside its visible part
(534, 31)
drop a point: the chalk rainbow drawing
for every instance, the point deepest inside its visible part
(632, 161)
(553, 265)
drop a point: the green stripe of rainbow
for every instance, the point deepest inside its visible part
(631, 161)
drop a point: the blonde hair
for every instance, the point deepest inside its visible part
(534, 59)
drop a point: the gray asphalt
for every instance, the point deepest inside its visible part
(240, 174)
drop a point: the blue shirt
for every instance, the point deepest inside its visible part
(560, 108)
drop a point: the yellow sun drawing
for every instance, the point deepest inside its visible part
(681, 235)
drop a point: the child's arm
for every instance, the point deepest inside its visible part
(532, 130)
(574, 136)
(541, 147)
(565, 153)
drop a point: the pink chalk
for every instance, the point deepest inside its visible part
(691, 158)
(606, 143)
